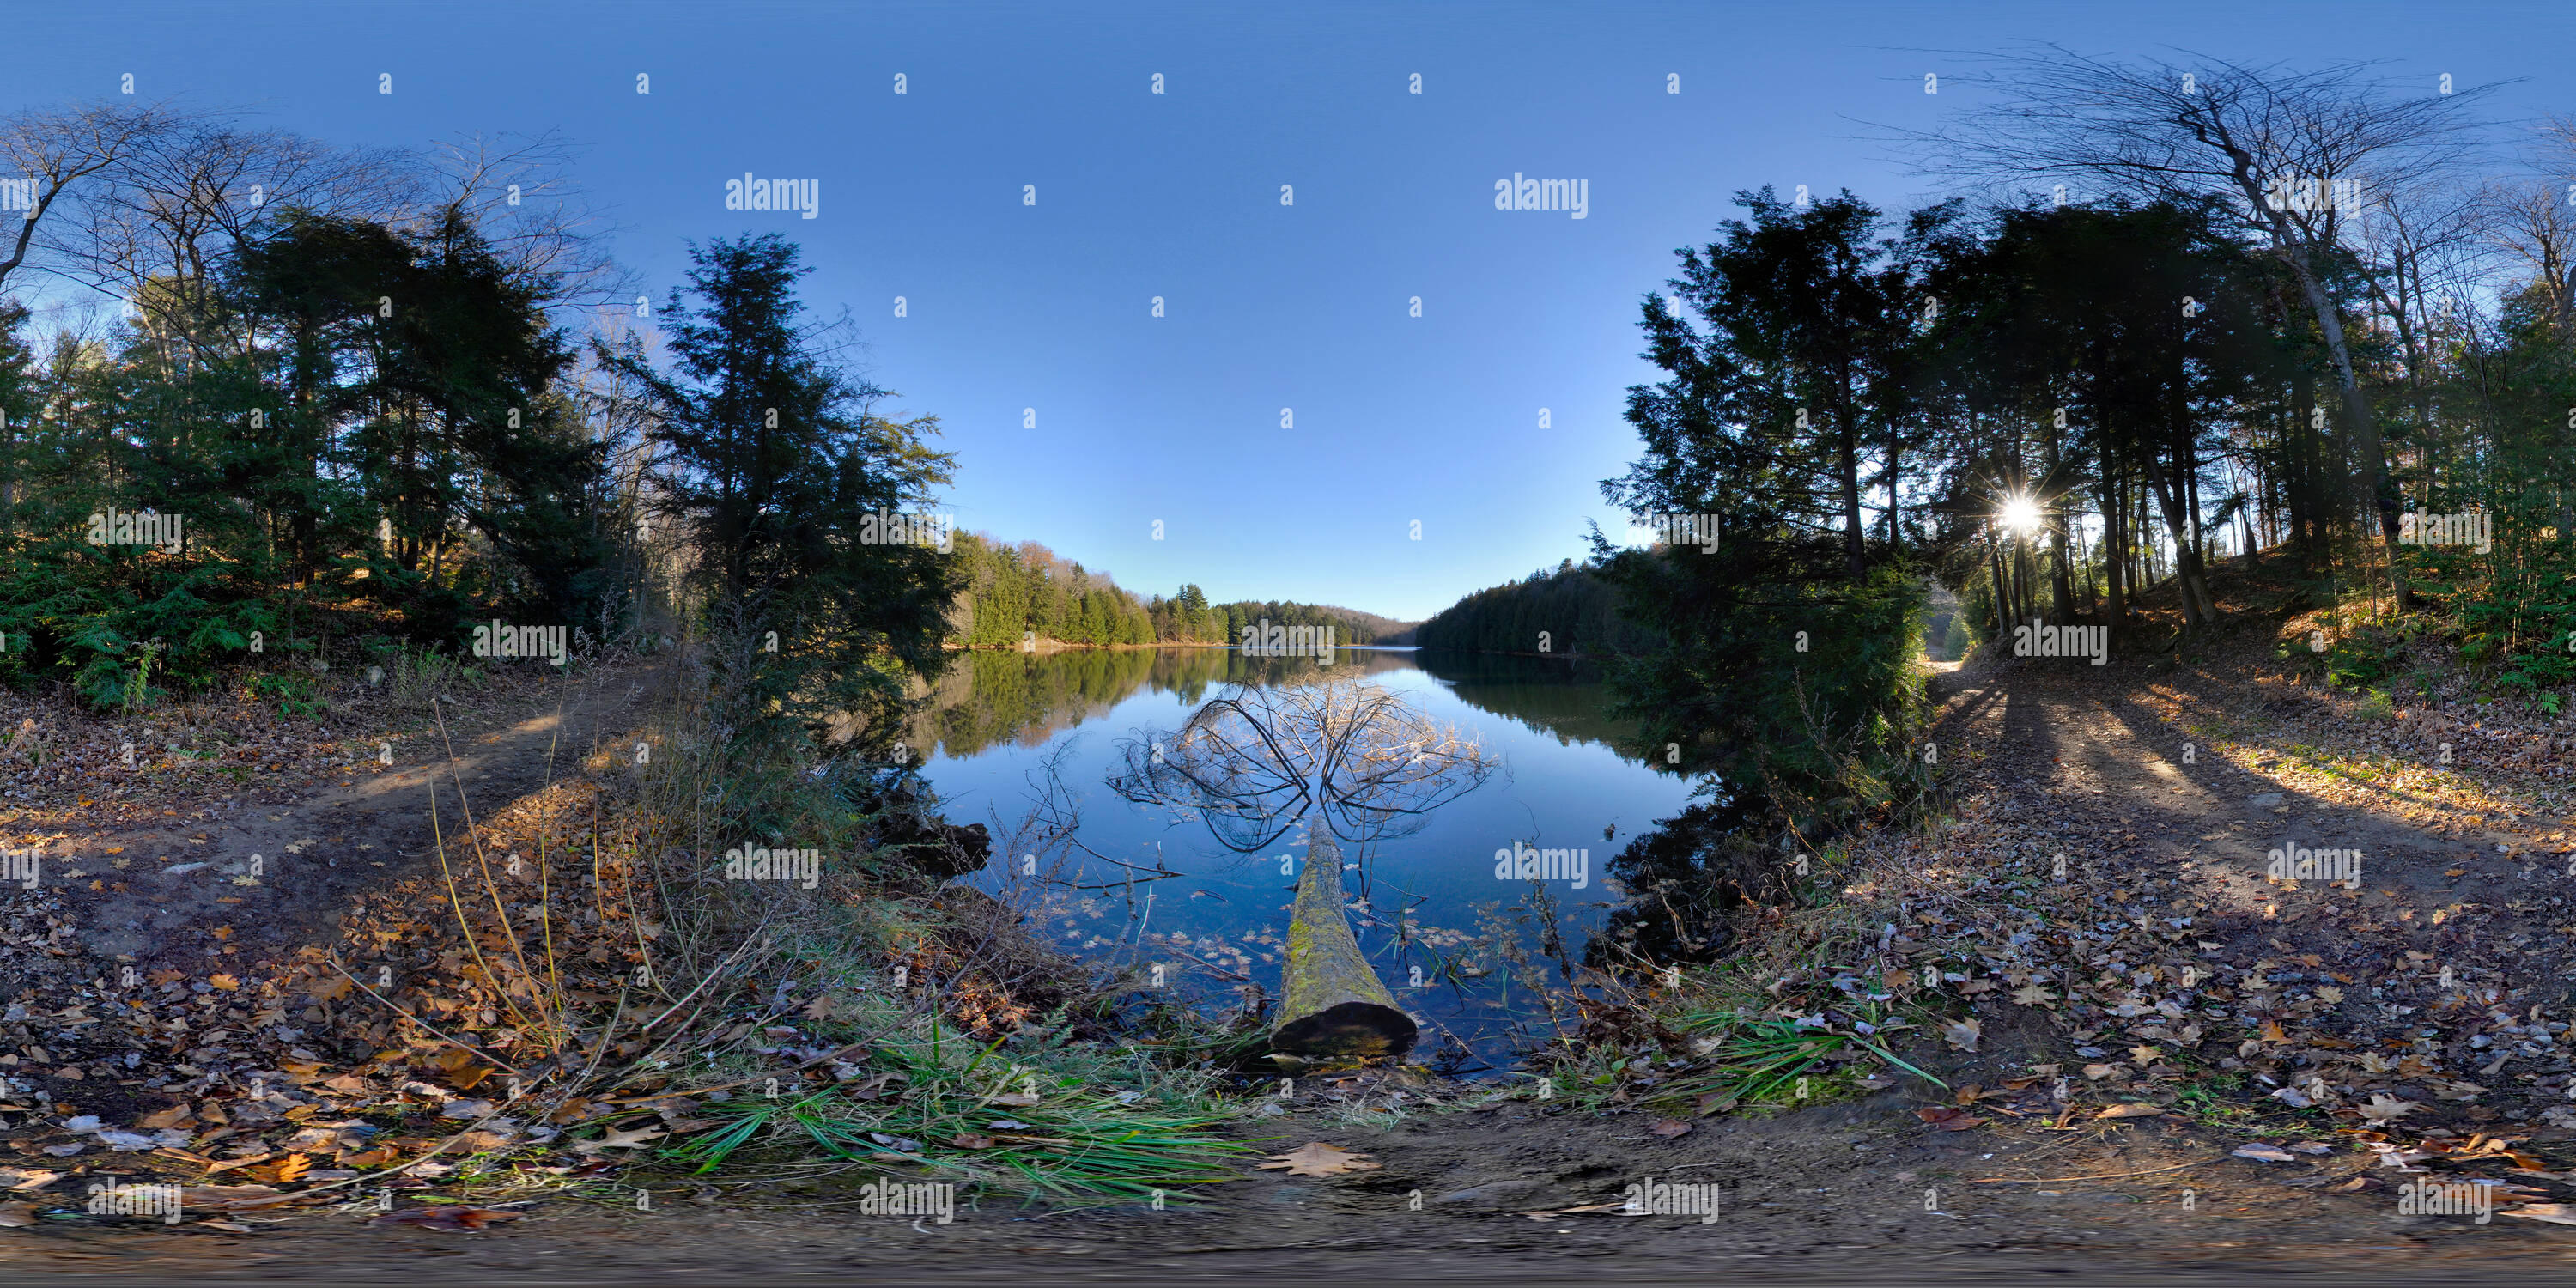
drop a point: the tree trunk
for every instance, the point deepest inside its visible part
(2196, 606)
(2003, 593)
(2358, 420)
(1847, 444)
(2115, 549)
(1332, 1003)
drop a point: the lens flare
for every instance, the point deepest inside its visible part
(2021, 514)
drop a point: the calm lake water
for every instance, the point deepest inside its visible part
(1428, 903)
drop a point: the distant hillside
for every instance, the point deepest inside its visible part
(1376, 629)
(1013, 590)
(1351, 626)
(1563, 610)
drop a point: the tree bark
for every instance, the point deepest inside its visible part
(1332, 1003)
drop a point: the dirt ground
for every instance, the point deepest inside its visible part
(1857, 1192)
(150, 871)
(1851, 1193)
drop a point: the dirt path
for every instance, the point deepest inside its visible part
(1854, 1193)
(2098, 763)
(1861, 1191)
(185, 897)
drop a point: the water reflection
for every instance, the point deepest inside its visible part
(1462, 944)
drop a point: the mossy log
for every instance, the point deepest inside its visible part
(1332, 1003)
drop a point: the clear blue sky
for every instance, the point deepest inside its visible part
(1178, 195)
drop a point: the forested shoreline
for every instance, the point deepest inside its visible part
(1016, 594)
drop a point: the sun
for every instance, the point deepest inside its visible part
(2021, 514)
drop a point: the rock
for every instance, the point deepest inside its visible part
(936, 847)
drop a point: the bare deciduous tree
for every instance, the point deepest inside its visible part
(1258, 760)
(2285, 152)
(1353, 762)
(153, 228)
(519, 192)
(58, 148)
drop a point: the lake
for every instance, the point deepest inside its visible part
(1023, 742)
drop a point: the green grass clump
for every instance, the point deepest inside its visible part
(1759, 1061)
(937, 1102)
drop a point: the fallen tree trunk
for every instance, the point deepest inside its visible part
(1332, 1003)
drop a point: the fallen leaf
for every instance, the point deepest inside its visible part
(2032, 995)
(1964, 1034)
(170, 1117)
(2264, 1153)
(224, 1198)
(234, 1227)
(1016, 1100)
(1949, 1117)
(17, 1214)
(969, 1140)
(2554, 1213)
(2132, 1110)
(1669, 1128)
(1316, 1158)
(2386, 1108)
(447, 1218)
(635, 1138)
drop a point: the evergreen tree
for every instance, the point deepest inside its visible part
(773, 459)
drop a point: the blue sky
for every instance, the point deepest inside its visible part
(1266, 306)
